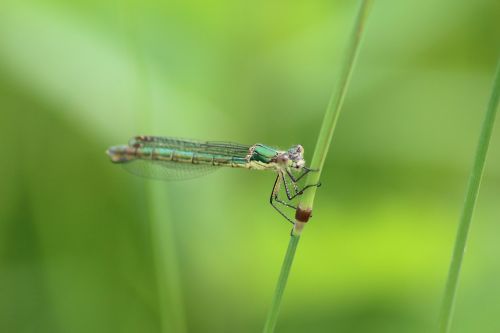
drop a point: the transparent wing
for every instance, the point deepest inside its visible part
(167, 170)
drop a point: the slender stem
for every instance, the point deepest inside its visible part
(332, 113)
(164, 248)
(468, 207)
(325, 136)
(280, 288)
(170, 298)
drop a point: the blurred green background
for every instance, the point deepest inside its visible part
(87, 247)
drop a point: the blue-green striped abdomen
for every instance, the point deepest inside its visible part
(123, 154)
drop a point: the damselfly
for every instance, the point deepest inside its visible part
(170, 158)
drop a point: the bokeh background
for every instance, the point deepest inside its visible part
(87, 247)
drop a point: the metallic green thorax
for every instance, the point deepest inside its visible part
(264, 154)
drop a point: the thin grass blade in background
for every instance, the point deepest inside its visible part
(164, 244)
(476, 174)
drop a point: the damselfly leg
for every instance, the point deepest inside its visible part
(296, 180)
(274, 198)
(305, 171)
(281, 178)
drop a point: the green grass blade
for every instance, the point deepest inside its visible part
(468, 207)
(164, 245)
(282, 280)
(331, 116)
(164, 248)
(325, 136)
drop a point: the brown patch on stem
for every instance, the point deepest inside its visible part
(303, 215)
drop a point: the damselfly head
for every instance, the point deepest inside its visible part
(296, 157)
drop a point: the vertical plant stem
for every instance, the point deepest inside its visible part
(468, 207)
(164, 249)
(325, 136)
(282, 280)
(170, 301)
(332, 113)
